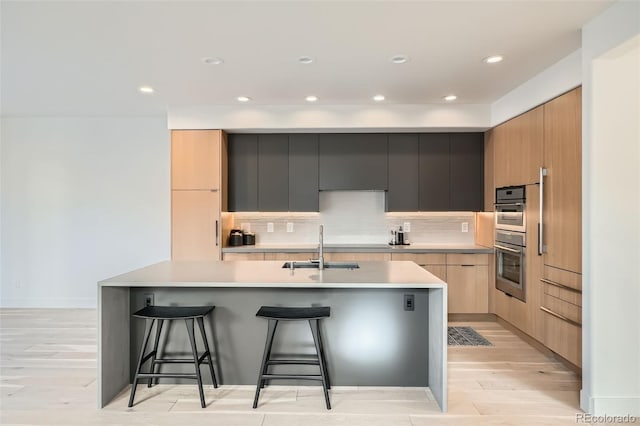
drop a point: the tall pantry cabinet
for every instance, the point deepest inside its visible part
(562, 226)
(198, 176)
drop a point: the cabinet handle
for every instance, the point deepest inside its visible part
(217, 233)
(467, 265)
(562, 317)
(543, 173)
(566, 287)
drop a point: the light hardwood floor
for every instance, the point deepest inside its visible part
(48, 377)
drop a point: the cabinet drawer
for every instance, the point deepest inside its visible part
(567, 278)
(346, 257)
(559, 291)
(565, 309)
(422, 258)
(243, 256)
(563, 337)
(290, 256)
(467, 259)
(468, 289)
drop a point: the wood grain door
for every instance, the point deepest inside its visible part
(195, 159)
(563, 189)
(195, 225)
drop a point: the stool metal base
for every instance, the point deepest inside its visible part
(196, 360)
(319, 360)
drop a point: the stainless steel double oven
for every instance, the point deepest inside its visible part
(510, 240)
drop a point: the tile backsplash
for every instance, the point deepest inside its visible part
(356, 217)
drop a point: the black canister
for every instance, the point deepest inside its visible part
(235, 238)
(249, 238)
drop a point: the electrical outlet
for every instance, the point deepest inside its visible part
(289, 226)
(148, 299)
(409, 302)
(465, 226)
(406, 227)
(269, 226)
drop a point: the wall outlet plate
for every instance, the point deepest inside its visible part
(406, 227)
(409, 302)
(148, 299)
(289, 226)
(465, 226)
(269, 226)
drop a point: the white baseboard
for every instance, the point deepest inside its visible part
(49, 302)
(611, 406)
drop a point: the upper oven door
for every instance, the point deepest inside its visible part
(511, 217)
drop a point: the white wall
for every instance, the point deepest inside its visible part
(611, 212)
(83, 199)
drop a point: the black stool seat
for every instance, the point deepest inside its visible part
(160, 314)
(286, 313)
(173, 312)
(275, 314)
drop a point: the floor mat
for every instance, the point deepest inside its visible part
(466, 336)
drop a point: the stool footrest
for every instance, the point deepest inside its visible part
(292, 376)
(180, 360)
(167, 376)
(293, 362)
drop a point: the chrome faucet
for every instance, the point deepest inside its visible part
(321, 249)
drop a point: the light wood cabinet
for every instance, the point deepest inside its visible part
(195, 225)
(298, 257)
(436, 263)
(354, 257)
(243, 256)
(468, 283)
(563, 189)
(518, 148)
(198, 176)
(196, 159)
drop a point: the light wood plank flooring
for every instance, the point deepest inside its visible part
(48, 377)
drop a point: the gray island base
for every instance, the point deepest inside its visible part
(370, 338)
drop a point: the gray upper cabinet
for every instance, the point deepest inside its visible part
(467, 171)
(434, 172)
(303, 173)
(243, 172)
(404, 173)
(273, 173)
(353, 161)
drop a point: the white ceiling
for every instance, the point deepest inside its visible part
(90, 57)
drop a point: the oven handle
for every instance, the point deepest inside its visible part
(543, 173)
(506, 249)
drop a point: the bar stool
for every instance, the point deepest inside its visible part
(189, 314)
(275, 314)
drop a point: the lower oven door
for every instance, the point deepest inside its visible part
(510, 277)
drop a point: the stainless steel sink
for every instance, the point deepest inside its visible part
(314, 265)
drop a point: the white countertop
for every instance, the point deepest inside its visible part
(270, 274)
(369, 248)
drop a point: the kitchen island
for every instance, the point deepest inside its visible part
(372, 337)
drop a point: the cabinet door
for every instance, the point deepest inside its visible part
(303, 173)
(353, 161)
(563, 189)
(434, 172)
(195, 159)
(243, 173)
(404, 173)
(467, 171)
(273, 173)
(518, 149)
(468, 288)
(195, 225)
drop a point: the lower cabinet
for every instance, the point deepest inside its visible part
(243, 256)
(436, 263)
(195, 225)
(468, 283)
(302, 256)
(354, 257)
(561, 307)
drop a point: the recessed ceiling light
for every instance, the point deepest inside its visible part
(305, 60)
(450, 98)
(493, 59)
(399, 59)
(311, 98)
(378, 98)
(244, 98)
(213, 61)
(146, 89)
